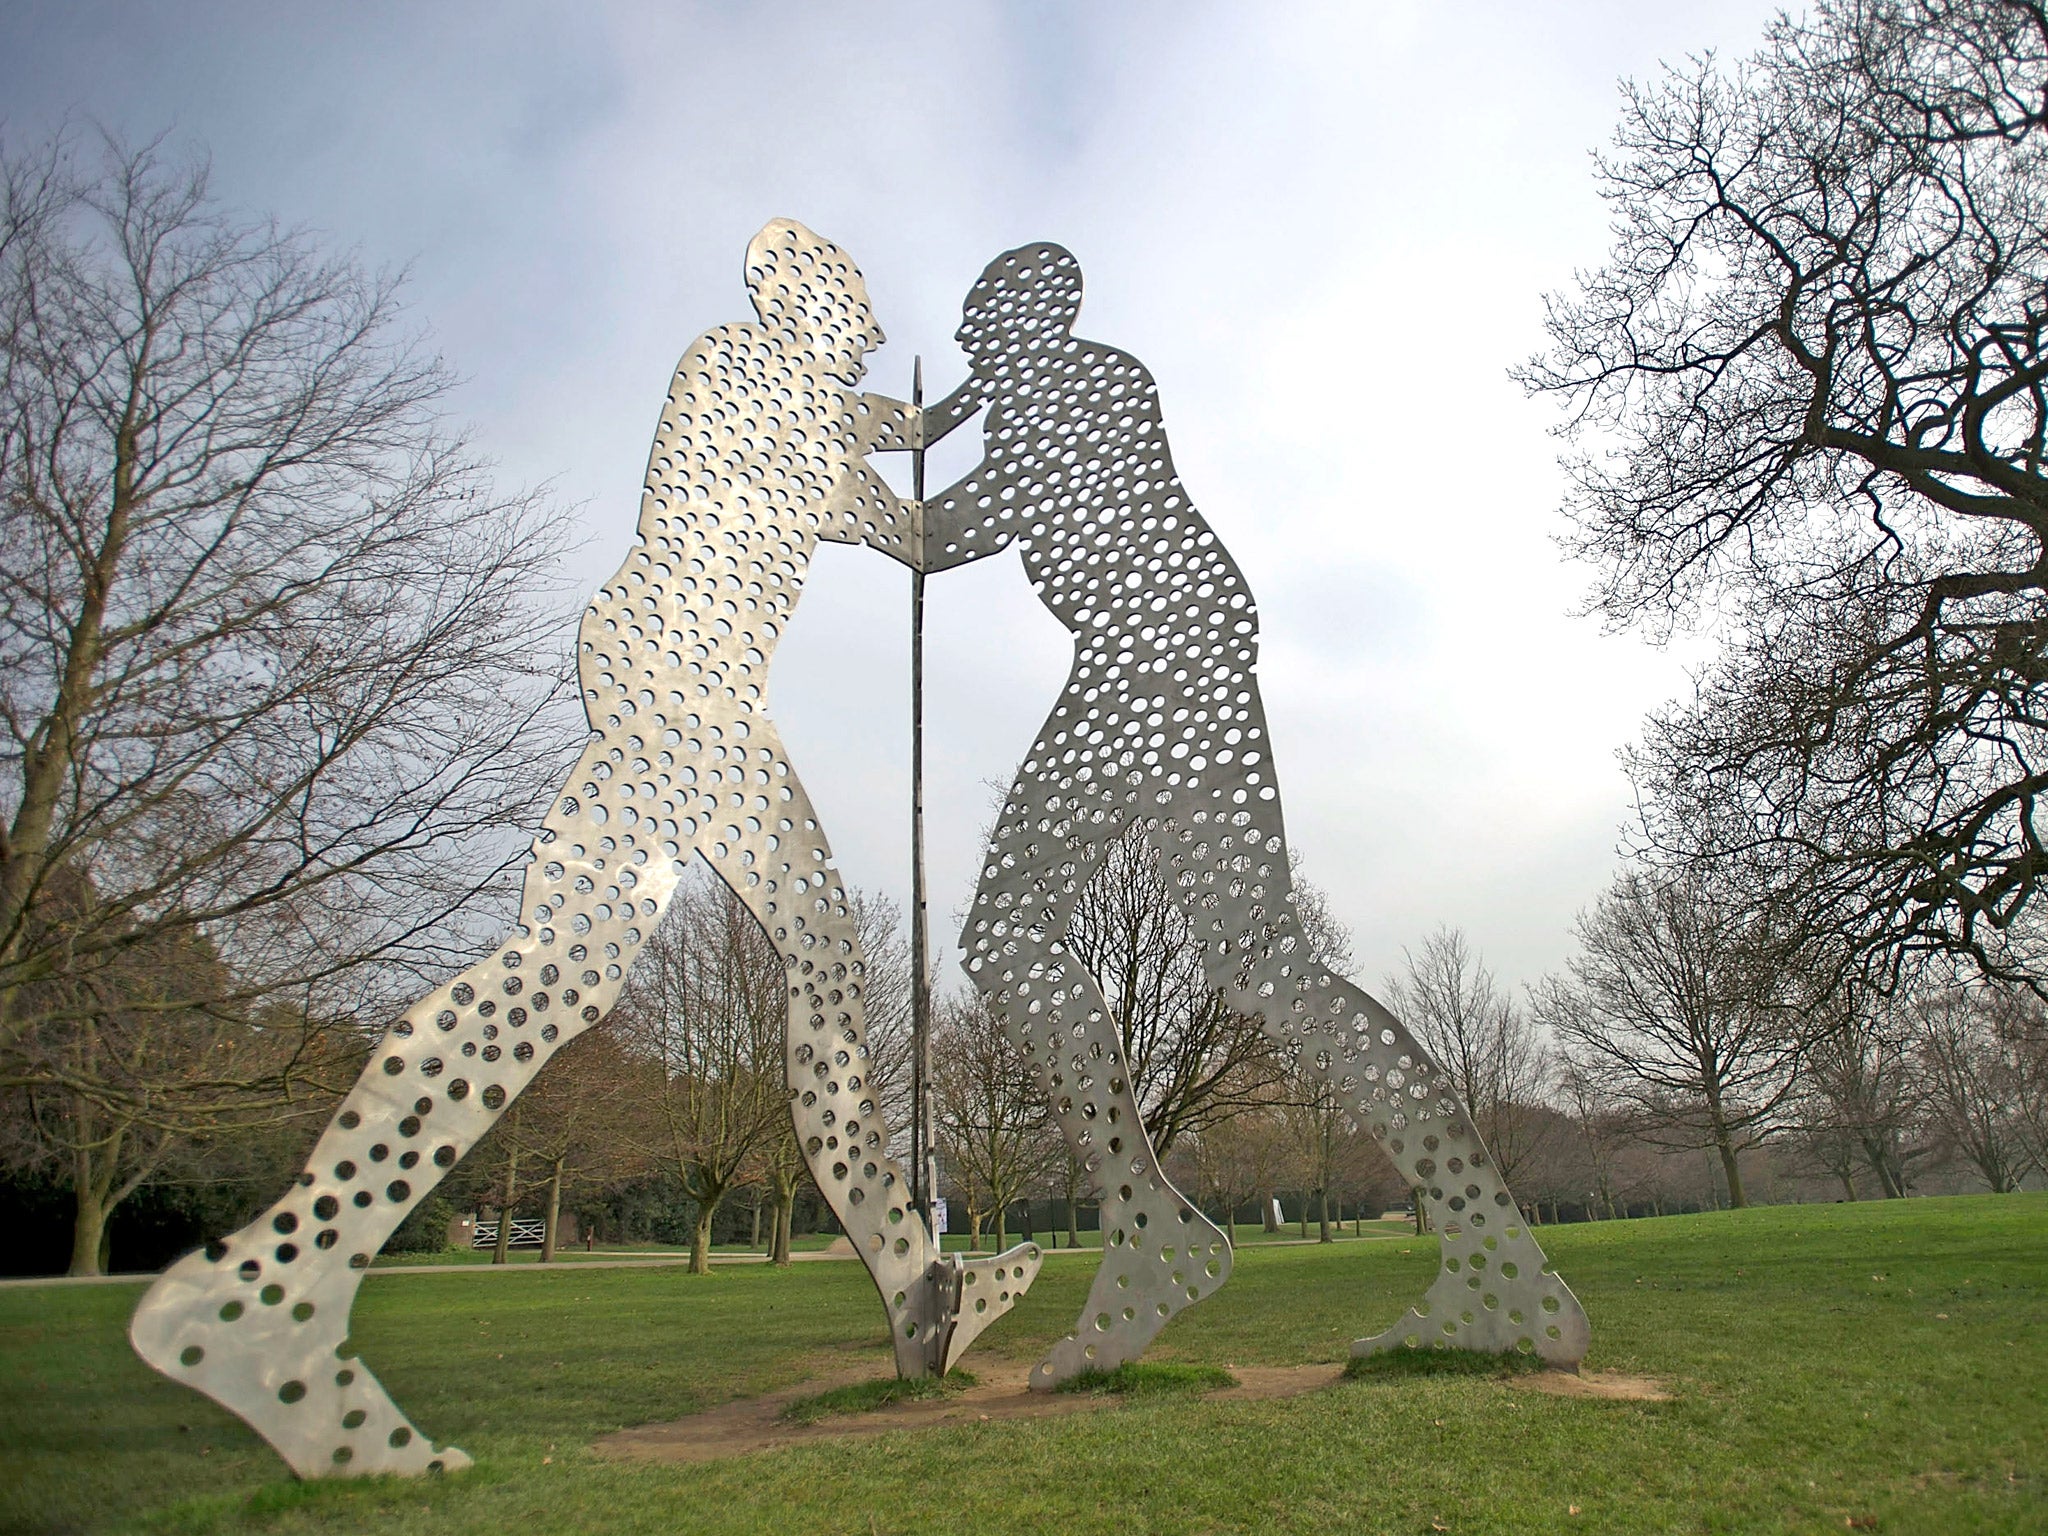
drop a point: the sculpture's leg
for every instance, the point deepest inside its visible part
(783, 872)
(1495, 1292)
(257, 1322)
(1159, 1254)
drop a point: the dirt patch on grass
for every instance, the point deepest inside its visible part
(756, 1423)
(1615, 1386)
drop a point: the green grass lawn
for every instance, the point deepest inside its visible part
(809, 1243)
(1243, 1235)
(814, 1242)
(1881, 1363)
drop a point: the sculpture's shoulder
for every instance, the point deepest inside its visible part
(728, 357)
(1109, 373)
(721, 369)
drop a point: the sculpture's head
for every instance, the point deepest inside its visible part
(1025, 300)
(805, 286)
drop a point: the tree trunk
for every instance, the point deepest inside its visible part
(1880, 1152)
(778, 1251)
(700, 1238)
(46, 769)
(1730, 1170)
(1323, 1216)
(973, 1228)
(755, 1240)
(503, 1251)
(88, 1230)
(95, 1163)
(547, 1237)
(1073, 1220)
(1002, 1228)
(1269, 1220)
(782, 1186)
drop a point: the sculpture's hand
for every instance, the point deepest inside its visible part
(943, 416)
(954, 526)
(884, 425)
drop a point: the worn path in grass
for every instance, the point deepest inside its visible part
(1877, 1363)
(748, 1425)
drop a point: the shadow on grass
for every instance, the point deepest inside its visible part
(867, 1396)
(1134, 1380)
(1406, 1364)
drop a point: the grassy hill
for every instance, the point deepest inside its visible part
(1877, 1366)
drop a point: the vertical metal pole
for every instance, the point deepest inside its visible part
(923, 1168)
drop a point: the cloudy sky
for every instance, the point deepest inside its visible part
(1326, 229)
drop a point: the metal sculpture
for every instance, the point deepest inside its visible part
(1161, 723)
(759, 454)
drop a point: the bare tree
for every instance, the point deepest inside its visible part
(994, 1129)
(1325, 1153)
(782, 1171)
(1600, 1125)
(2021, 1022)
(1862, 1089)
(1665, 1009)
(1810, 387)
(1972, 1083)
(126, 1087)
(1315, 1120)
(1194, 1060)
(1070, 1176)
(878, 925)
(509, 1148)
(265, 644)
(571, 1128)
(778, 1171)
(1247, 1157)
(1487, 1046)
(704, 1011)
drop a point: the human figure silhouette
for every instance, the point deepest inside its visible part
(1161, 723)
(759, 454)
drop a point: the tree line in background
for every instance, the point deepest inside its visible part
(272, 720)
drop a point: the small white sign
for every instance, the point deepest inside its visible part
(939, 1217)
(1278, 1219)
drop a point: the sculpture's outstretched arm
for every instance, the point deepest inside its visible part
(970, 519)
(976, 515)
(943, 416)
(861, 508)
(884, 425)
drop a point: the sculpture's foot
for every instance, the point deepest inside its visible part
(1139, 1289)
(1499, 1301)
(273, 1359)
(988, 1289)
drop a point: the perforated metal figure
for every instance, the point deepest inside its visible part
(759, 455)
(1161, 723)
